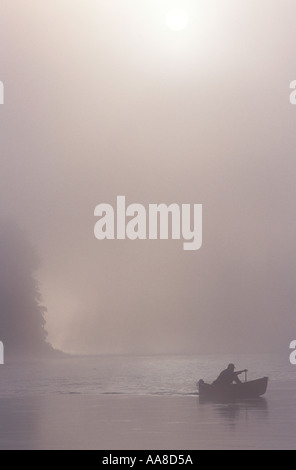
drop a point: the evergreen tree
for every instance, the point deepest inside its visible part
(22, 323)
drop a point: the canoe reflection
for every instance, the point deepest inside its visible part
(233, 412)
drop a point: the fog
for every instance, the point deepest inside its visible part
(101, 100)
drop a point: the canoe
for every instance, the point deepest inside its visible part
(247, 390)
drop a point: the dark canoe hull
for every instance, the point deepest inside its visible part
(247, 390)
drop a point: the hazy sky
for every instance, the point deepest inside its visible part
(102, 99)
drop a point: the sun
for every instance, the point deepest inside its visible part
(177, 19)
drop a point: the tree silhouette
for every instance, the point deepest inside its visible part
(22, 323)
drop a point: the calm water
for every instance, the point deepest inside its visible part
(135, 375)
(142, 403)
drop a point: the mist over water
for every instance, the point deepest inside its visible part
(134, 375)
(141, 403)
(101, 100)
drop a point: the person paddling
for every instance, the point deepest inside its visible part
(228, 376)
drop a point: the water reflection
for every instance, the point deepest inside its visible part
(235, 412)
